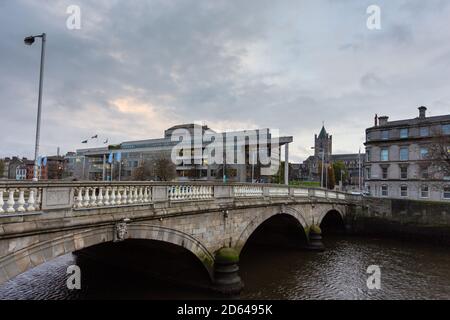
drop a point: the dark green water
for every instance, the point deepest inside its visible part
(408, 271)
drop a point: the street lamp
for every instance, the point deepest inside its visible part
(29, 41)
(322, 151)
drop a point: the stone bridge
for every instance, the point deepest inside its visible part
(41, 221)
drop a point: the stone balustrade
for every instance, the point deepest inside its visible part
(247, 191)
(20, 199)
(320, 193)
(190, 192)
(28, 197)
(300, 192)
(278, 192)
(107, 196)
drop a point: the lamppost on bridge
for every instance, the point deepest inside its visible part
(29, 41)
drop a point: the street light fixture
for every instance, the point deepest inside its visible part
(29, 41)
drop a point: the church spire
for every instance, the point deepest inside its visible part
(323, 133)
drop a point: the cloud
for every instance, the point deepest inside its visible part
(138, 67)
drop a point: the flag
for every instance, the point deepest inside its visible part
(39, 160)
(44, 161)
(111, 157)
(94, 137)
(119, 156)
(85, 141)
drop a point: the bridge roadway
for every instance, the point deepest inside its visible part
(41, 221)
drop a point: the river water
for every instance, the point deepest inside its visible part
(408, 271)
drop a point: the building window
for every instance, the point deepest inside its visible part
(424, 192)
(423, 153)
(424, 173)
(424, 132)
(384, 173)
(368, 155)
(384, 191)
(404, 156)
(385, 134)
(368, 173)
(446, 193)
(403, 191)
(384, 154)
(403, 172)
(446, 128)
(404, 133)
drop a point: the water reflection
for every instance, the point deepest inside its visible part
(409, 271)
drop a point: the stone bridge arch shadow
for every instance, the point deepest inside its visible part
(288, 227)
(332, 221)
(41, 252)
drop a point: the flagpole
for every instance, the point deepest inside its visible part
(104, 168)
(112, 170)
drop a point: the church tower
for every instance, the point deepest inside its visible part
(323, 142)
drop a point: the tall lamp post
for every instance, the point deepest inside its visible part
(29, 41)
(322, 151)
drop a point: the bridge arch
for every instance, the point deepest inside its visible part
(34, 255)
(261, 218)
(332, 220)
(327, 210)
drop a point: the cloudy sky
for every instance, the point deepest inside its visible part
(137, 67)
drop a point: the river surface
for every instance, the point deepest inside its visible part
(408, 271)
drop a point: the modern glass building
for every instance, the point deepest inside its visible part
(189, 148)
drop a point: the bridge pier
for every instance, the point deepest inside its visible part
(315, 239)
(226, 276)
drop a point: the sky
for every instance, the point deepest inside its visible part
(137, 67)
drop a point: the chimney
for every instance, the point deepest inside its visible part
(376, 119)
(422, 112)
(383, 120)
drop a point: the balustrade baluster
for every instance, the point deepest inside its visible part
(141, 195)
(106, 202)
(135, 196)
(100, 197)
(94, 197)
(146, 194)
(182, 191)
(86, 197)
(175, 193)
(131, 196)
(119, 196)
(125, 195)
(178, 192)
(79, 198)
(113, 196)
(11, 201)
(21, 201)
(203, 192)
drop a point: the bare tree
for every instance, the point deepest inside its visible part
(439, 155)
(161, 168)
(165, 169)
(2, 168)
